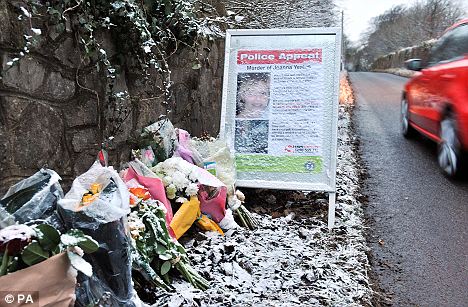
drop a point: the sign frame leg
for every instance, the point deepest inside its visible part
(331, 210)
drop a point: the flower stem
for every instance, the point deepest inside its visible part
(241, 216)
(5, 261)
(192, 276)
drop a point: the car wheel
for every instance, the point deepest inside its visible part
(406, 129)
(449, 149)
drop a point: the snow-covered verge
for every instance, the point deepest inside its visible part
(292, 259)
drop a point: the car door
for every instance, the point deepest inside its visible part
(421, 94)
(426, 96)
(444, 75)
(418, 93)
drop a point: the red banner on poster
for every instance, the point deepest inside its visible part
(297, 56)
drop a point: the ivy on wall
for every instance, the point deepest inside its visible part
(146, 32)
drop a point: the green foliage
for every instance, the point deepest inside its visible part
(34, 253)
(165, 267)
(145, 33)
(76, 237)
(155, 246)
(49, 237)
(44, 242)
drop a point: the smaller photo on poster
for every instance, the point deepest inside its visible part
(253, 95)
(251, 136)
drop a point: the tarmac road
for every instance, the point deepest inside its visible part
(418, 219)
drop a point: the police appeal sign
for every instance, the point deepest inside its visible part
(280, 105)
(278, 56)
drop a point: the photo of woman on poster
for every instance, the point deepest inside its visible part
(251, 136)
(253, 94)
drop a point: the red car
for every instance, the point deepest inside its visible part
(435, 100)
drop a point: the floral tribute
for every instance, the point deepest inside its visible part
(121, 231)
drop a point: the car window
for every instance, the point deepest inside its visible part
(438, 50)
(452, 45)
(460, 40)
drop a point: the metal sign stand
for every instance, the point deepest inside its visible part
(331, 210)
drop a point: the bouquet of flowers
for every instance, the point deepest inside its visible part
(22, 246)
(202, 195)
(156, 252)
(179, 177)
(216, 153)
(98, 204)
(156, 143)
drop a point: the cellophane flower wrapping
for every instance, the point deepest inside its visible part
(33, 198)
(144, 176)
(185, 150)
(104, 219)
(216, 150)
(184, 180)
(157, 143)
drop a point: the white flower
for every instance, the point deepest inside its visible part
(135, 224)
(169, 164)
(171, 191)
(181, 200)
(167, 180)
(178, 175)
(192, 189)
(193, 176)
(180, 180)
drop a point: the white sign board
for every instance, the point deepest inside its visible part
(280, 107)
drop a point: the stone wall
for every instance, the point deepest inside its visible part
(52, 105)
(397, 59)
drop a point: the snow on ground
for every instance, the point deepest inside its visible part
(290, 260)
